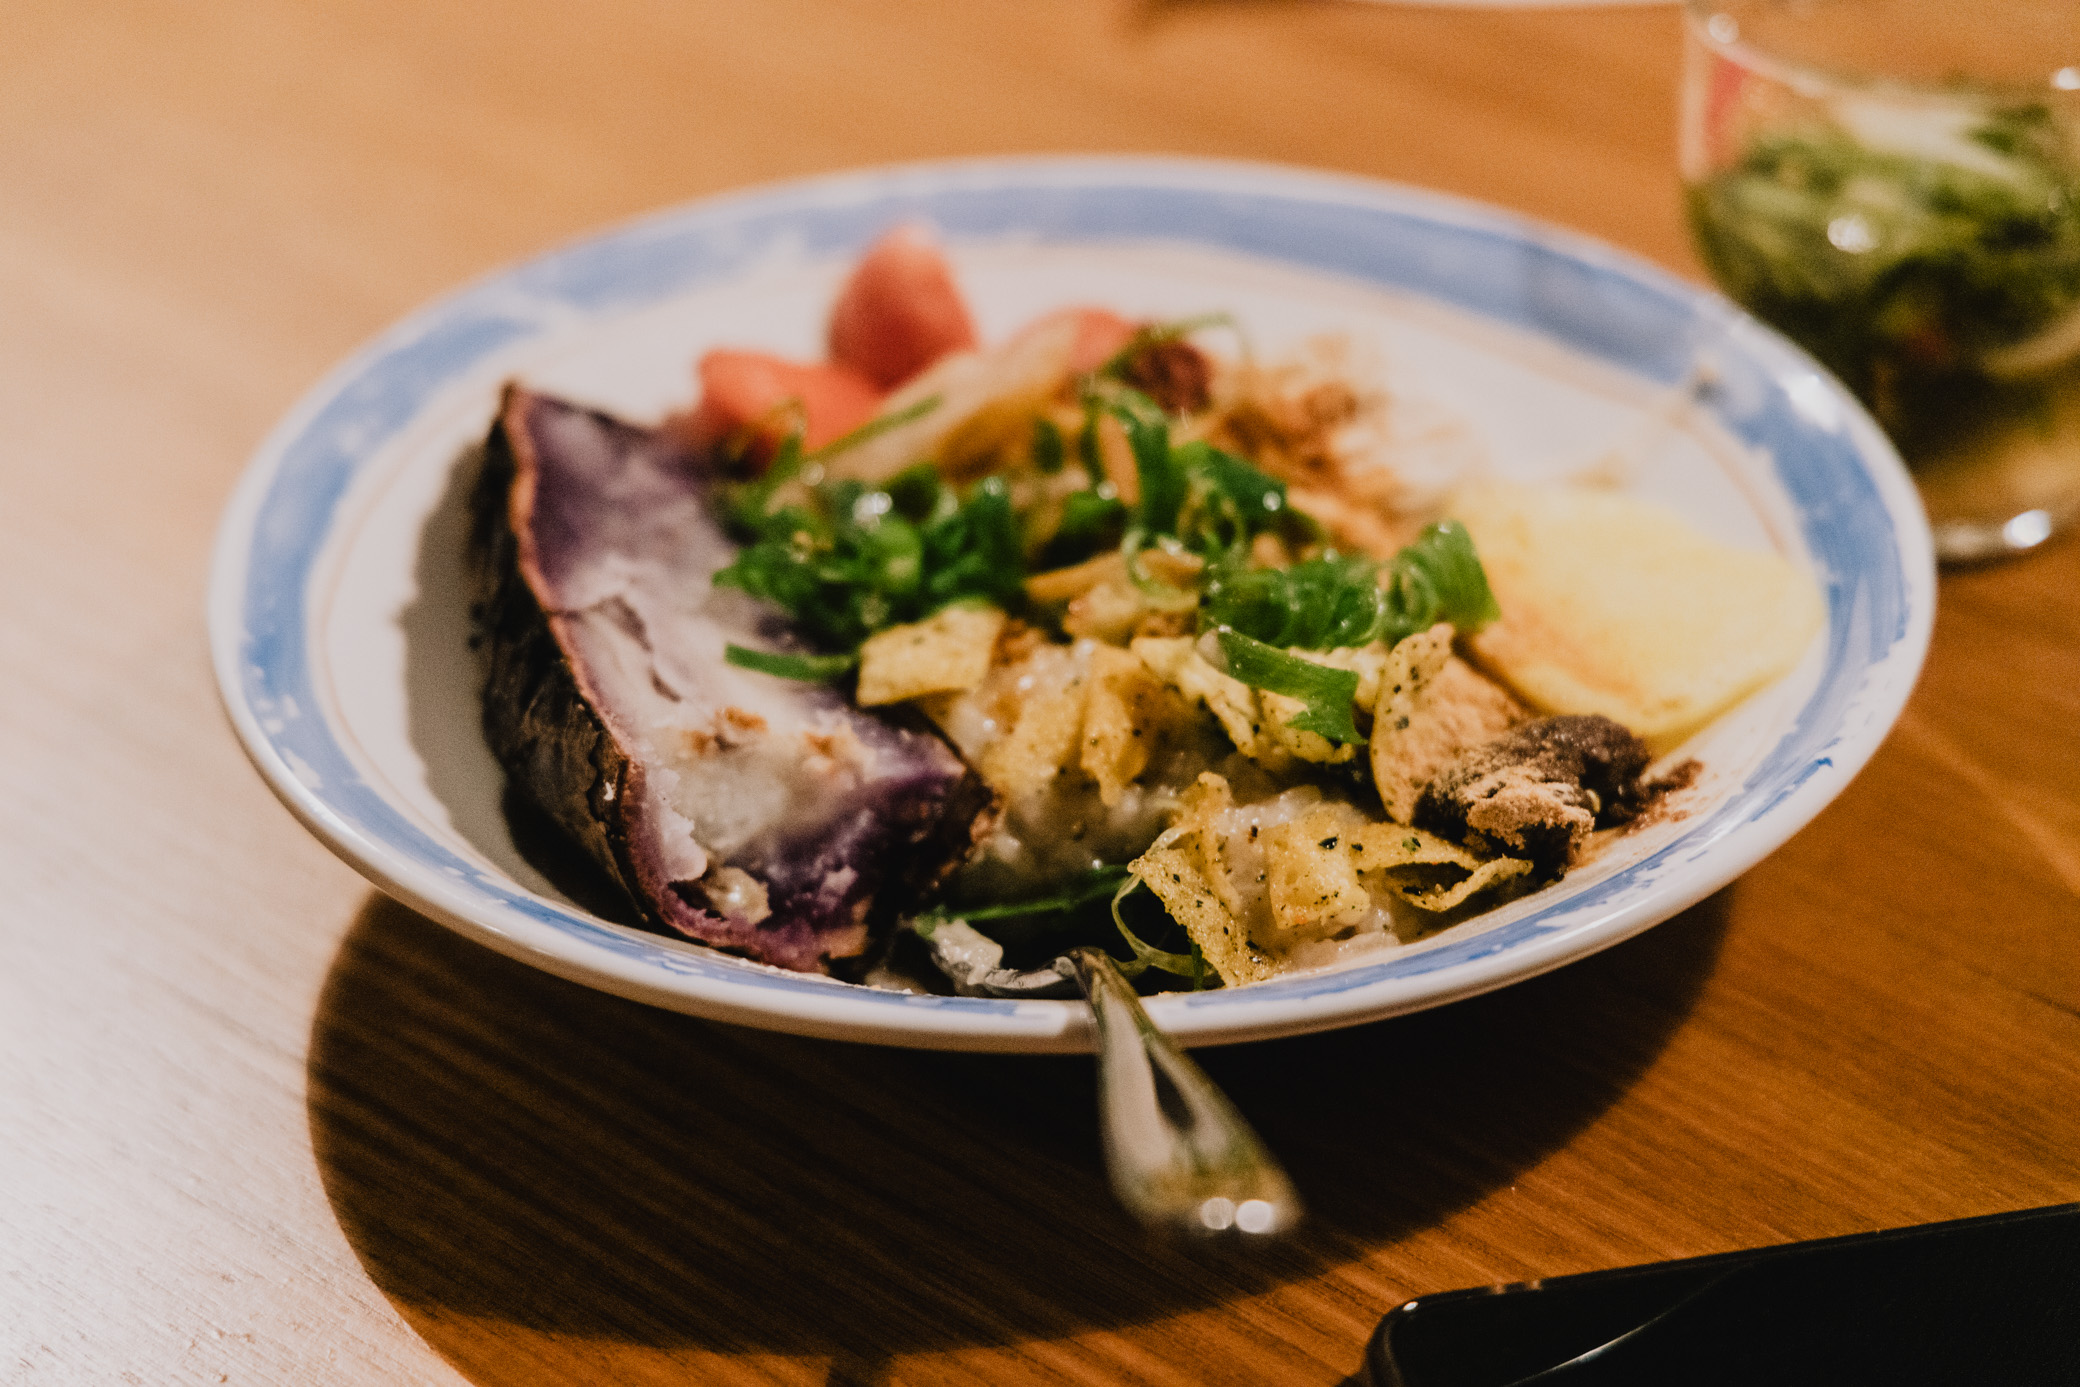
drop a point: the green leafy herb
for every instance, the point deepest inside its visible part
(1211, 502)
(1095, 885)
(1049, 452)
(1092, 521)
(747, 505)
(976, 550)
(1440, 578)
(1190, 965)
(1228, 503)
(1929, 260)
(855, 558)
(1328, 693)
(1088, 451)
(1162, 478)
(809, 668)
(1339, 600)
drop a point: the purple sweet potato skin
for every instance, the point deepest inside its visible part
(569, 505)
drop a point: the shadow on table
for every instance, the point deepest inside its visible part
(554, 1184)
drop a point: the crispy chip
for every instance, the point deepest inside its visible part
(1187, 870)
(1380, 846)
(1040, 742)
(946, 652)
(1431, 707)
(1175, 661)
(1384, 847)
(1195, 832)
(1107, 611)
(1061, 584)
(1127, 710)
(1205, 799)
(1312, 872)
(1484, 876)
(1194, 901)
(1279, 712)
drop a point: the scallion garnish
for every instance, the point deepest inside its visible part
(854, 558)
(808, 668)
(1328, 693)
(1336, 600)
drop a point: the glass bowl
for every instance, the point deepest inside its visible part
(1896, 185)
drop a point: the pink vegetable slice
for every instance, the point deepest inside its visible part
(900, 311)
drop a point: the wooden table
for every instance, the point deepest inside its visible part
(259, 1125)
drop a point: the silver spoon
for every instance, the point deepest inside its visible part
(1181, 1158)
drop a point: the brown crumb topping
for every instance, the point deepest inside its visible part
(1539, 790)
(1173, 373)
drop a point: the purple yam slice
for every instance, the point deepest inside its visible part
(762, 815)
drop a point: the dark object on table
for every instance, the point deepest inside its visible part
(1992, 1300)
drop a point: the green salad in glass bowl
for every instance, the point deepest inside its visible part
(1922, 239)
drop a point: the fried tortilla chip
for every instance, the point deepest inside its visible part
(1431, 707)
(1312, 873)
(946, 652)
(1176, 661)
(1186, 869)
(1041, 742)
(1127, 710)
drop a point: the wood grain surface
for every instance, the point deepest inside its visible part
(259, 1125)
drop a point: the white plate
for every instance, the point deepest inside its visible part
(337, 613)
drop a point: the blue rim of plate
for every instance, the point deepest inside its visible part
(1860, 520)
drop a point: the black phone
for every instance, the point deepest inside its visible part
(1992, 1300)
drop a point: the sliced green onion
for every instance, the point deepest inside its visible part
(812, 669)
(1049, 452)
(1328, 693)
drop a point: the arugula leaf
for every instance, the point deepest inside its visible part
(1328, 693)
(809, 668)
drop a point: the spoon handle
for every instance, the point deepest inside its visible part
(1181, 1158)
